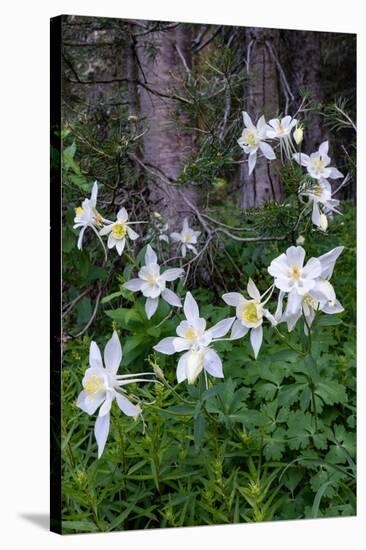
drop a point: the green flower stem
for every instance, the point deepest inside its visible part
(288, 344)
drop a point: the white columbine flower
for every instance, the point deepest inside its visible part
(250, 315)
(321, 297)
(118, 230)
(87, 215)
(292, 276)
(194, 339)
(102, 384)
(187, 237)
(152, 283)
(253, 138)
(317, 164)
(321, 197)
(281, 129)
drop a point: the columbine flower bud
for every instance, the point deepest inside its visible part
(323, 222)
(300, 240)
(157, 216)
(299, 134)
(158, 372)
(133, 118)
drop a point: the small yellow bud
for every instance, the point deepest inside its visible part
(300, 240)
(299, 134)
(133, 118)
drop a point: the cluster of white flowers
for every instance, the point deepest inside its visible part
(118, 231)
(304, 286)
(283, 132)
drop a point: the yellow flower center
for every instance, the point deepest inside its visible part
(309, 301)
(318, 165)
(93, 385)
(190, 334)
(151, 279)
(249, 313)
(295, 272)
(281, 129)
(318, 190)
(186, 237)
(251, 139)
(79, 211)
(98, 220)
(119, 230)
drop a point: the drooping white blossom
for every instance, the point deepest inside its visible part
(317, 164)
(320, 196)
(118, 231)
(250, 315)
(187, 237)
(152, 283)
(87, 215)
(195, 340)
(102, 384)
(254, 138)
(320, 297)
(281, 130)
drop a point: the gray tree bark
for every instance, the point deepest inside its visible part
(305, 71)
(164, 58)
(262, 97)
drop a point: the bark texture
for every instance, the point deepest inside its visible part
(164, 58)
(305, 69)
(262, 97)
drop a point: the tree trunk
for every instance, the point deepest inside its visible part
(164, 59)
(262, 98)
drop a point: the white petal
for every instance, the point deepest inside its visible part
(267, 150)
(166, 346)
(294, 303)
(247, 120)
(181, 344)
(172, 274)
(132, 234)
(333, 308)
(191, 310)
(238, 330)
(315, 217)
(113, 353)
(120, 245)
(252, 159)
(221, 328)
(253, 290)
(301, 159)
(328, 261)
(106, 229)
(89, 405)
(94, 194)
(150, 256)
(323, 148)
(151, 306)
(233, 298)
(171, 298)
(106, 407)
(212, 364)
(95, 357)
(134, 285)
(181, 368)
(101, 431)
(295, 255)
(279, 310)
(335, 174)
(256, 337)
(122, 215)
(176, 236)
(126, 406)
(81, 236)
(312, 269)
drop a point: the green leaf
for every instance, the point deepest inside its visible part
(128, 319)
(199, 431)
